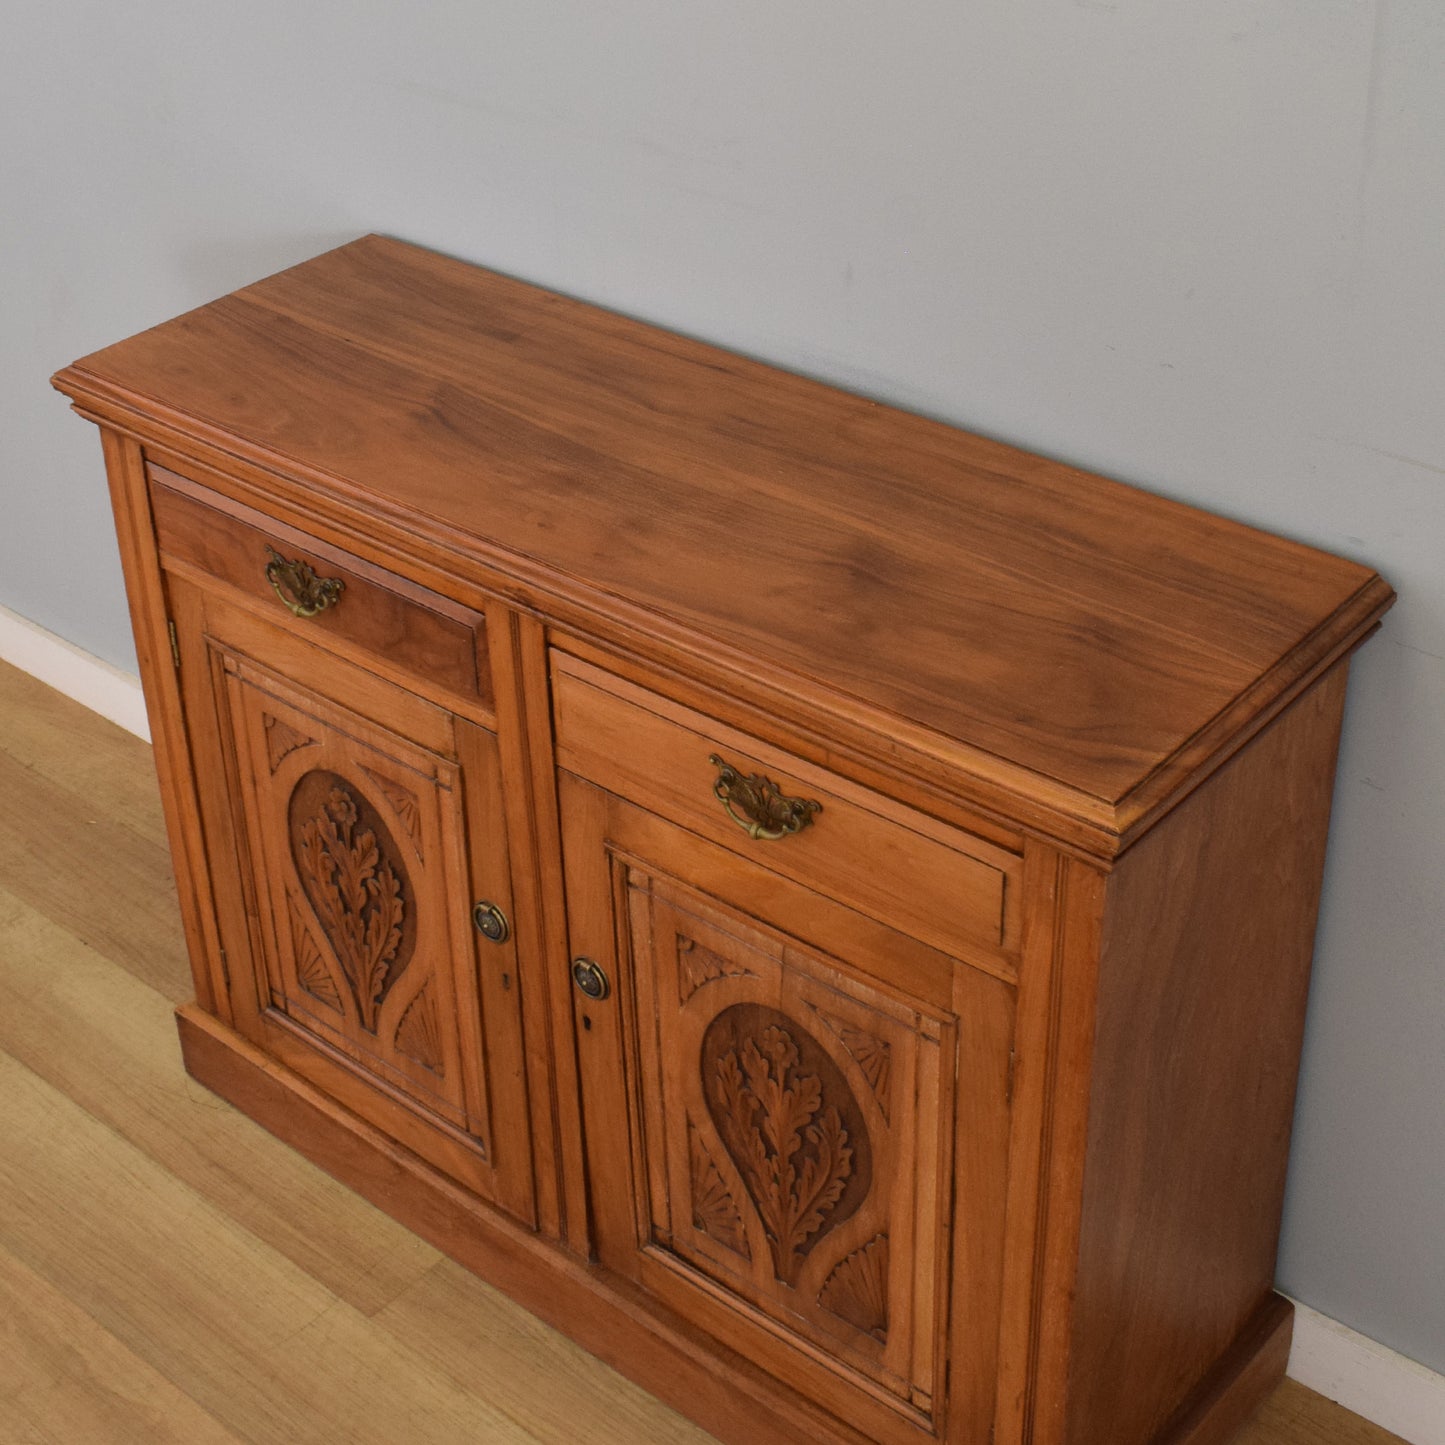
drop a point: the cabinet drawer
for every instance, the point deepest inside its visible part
(372, 611)
(943, 886)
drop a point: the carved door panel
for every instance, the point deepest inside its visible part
(353, 840)
(786, 1104)
(793, 1119)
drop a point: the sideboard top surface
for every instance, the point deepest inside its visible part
(1071, 628)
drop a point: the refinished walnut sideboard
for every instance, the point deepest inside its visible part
(816, 904)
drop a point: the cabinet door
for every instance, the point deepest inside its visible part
(351, 828)
(796, 1121)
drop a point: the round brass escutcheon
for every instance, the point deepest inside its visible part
(491, 922)
(588, 977)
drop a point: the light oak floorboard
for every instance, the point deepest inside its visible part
(168, 1271)
(78, 750)
(1294, 1415)
(258, 1343)
(553, 1387)
(120, 1061)
(64, 1378)
(89, 872)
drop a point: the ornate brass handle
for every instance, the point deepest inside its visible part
(768, 814)
(298, 586)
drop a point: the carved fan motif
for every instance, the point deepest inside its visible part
(282, 740)
(714, 1211)
(872, 1055)
(857, 1290)
(791, 1125)
(311, 971)
(403, 803)
(418, 1035)
(354, 880)
(697, 965)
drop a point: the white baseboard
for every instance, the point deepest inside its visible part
(1396, 1393)
(80, 675)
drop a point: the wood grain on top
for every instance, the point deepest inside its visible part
(1066, 625)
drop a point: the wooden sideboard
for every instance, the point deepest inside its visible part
(816, 904)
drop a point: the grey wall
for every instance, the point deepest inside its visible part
(1196, 246)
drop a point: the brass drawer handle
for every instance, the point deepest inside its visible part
(769, 815)
(298, 586)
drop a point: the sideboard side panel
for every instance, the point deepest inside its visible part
(1208, 938)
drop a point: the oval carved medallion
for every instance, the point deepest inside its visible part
(355, 881)
(790, 1123)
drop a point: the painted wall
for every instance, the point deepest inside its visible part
(1196, 246)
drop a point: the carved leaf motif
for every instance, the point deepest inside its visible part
(697, 965)
(311, 971)
(792, 1151)
(403, 803)
(282, 740)
(872, 1055)
(857, 1290)
(418, 1035)
(714, 1211)
(355, 891)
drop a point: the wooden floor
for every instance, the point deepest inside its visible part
(168, 1271)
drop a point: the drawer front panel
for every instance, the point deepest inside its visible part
(943, 886)
(373, 612)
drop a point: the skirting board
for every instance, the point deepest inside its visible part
(80, 675)
(1396, 1393)
(1328, 1357)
